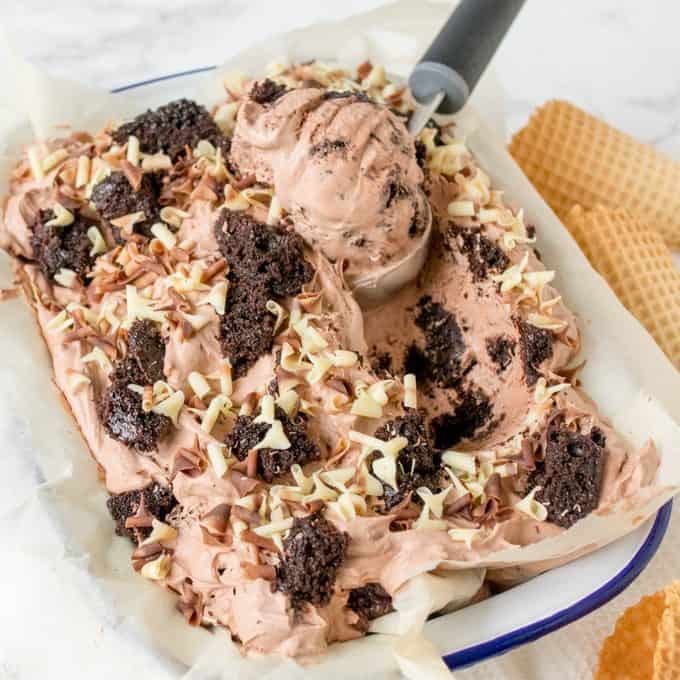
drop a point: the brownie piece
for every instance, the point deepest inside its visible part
(267, 91)
(172, 128)
(246, 327)
(158, 500)
(482, 254)
(122, 415)
(440, 361)
(265, 262)
(418, 464)
(259, 251)
(535, 346)
(570, 474)
(472, 411)
(56, 248)
(369, 602)
(146, 345)
(501, 350)
(273, 462)
(120, 409)
(313, 551)
(114, 197)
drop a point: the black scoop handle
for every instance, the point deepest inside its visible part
(462, 50)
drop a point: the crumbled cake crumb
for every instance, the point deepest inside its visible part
(273, 462)
(172, 128)
(159, 501)
(369, 602)
(115, 197)
(418, 464)
(267, 91)
(472, 411)
(501, 350)
(313, 551)
(56, 248)
(570, 474)
(535, 347)
(482, 254)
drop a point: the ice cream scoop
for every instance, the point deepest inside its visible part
(344, 168)
(454, 62)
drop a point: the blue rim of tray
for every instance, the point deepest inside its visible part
(504, 643)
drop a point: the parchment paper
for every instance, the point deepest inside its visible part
(64, 523)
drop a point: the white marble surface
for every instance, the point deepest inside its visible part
(618, 59)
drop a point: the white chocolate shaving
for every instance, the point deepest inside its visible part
(459, 460)
(275, 211)
(199, 384)
(139, 307)
(410, 391)
(97, 356)
(35, 162)
(133, 154)
(269, 530)
(83, 171)
(531, 507)
(52, 160)
(547, 323)
(171, 406)
(217, 458)
(461, 209)
(275, 438)
(62, 217)
(278, 311)
(66, 277)
(173, 216)
(97, 241)
(164, 235)
(160, 533)
(158, 569)
(218, 406)
(464, 535)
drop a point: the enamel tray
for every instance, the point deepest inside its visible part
(537, 607)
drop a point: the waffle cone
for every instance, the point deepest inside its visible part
(667, 653)
(638, 265)
(573, 158)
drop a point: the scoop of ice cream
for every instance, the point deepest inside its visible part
(344, 168)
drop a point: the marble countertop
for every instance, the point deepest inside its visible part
(618, 59)
(611, 57)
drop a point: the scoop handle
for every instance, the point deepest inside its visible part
(464, 47)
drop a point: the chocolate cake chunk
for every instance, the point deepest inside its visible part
(122, 415)
(440, 361)
(267, 91)
(171, 128)
(482, 254)
(369, 602)
(501, 350)
(570, 474)
(120, 409)
(114, 197)
(357, 96)
(56, 248)
(246, 327)
(159, 501)
(421, 153)
(535, 347)
(259, 251)
(146, 345)
(273, 462)
(418, 464)
(472, 411)
(265, 262)
(313, 551)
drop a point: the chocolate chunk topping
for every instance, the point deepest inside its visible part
(370, 602)
(313, 551)
(472, 411)
(171, 128)
(440, 361)
(273, 462)
(158, 501)
(421, 153)
(570, 474)
(482, 254)
(56, 248)
(535, 347)
(267, 91)
(265, 262)
(418, 464)
(121, 408)
(501, 350)
(147, 347)
(114, 197)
